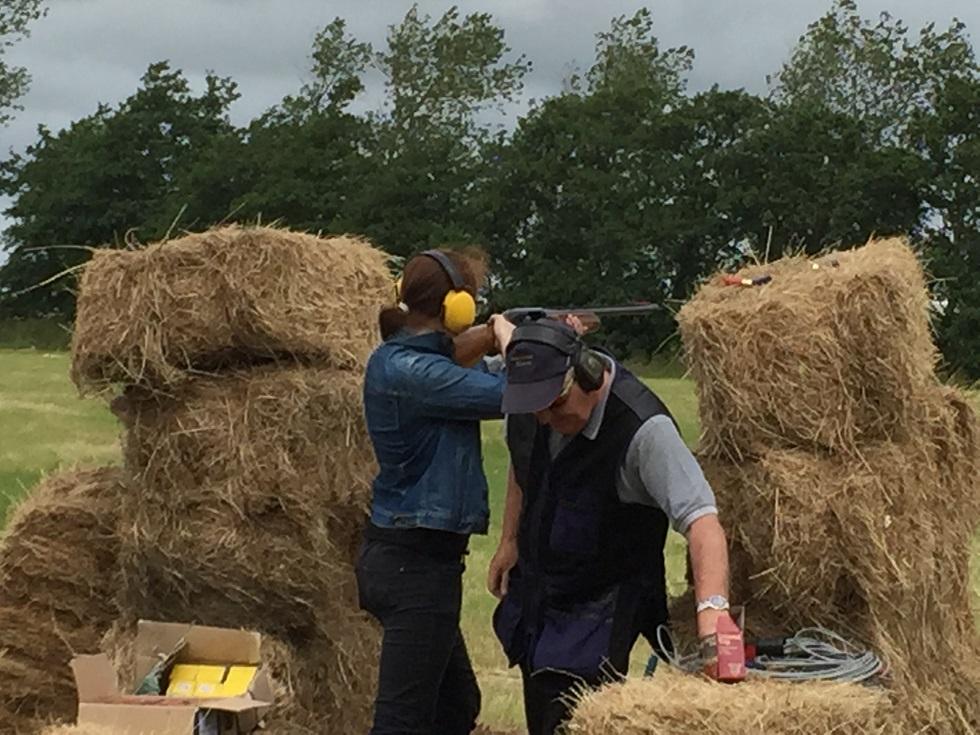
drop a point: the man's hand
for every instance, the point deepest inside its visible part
(575, 323)
(708, 645)
(501, 564)
(708, 622)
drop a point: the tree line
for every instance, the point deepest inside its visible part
(624, 186)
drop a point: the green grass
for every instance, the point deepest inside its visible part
(45, 426)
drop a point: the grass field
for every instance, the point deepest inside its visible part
(44, 426)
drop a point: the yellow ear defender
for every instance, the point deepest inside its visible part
(459, 306)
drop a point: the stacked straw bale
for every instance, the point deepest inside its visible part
(57, 582)
(677, 704)
(239, 352)
(818, 359)
(254, 486)
(227, 296)
(845, 473)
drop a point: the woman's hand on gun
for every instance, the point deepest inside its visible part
(502, 331)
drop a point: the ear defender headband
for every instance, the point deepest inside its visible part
(588, 365)
(459, 306)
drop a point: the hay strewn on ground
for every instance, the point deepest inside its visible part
(254, 488)
(228, 296)
(816, 359)
(845, 474)
(57, 586)
(672, 703)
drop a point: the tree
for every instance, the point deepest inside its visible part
(872, 71)
(15, 17)
(299, 171)
(440, 75)
(628, 57)
(338, 63)
(579, 205)
(114, 171)
(911, 97)
(812, 178)
(949, 140)
(298, 162)
(425, 149)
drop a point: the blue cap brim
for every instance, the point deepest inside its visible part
(531, 397)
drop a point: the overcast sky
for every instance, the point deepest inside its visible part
(90, 51)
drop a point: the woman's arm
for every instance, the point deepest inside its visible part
(445, 389)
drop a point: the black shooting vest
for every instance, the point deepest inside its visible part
(577, 540)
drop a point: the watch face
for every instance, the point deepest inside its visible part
(715, 602)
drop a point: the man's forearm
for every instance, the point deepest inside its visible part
(709, 562)
(512, 508)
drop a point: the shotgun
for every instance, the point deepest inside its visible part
(477, 341)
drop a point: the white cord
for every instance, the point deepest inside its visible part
(813, 654)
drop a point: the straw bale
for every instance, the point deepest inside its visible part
(35, 679)
(876, 545)
(215, 569)
(816, 359)
(819, 536)
(60, 550)
(229, 296)
(57, 580)
(672, 703)
(287, 438)
(328, 683)
(254, 489)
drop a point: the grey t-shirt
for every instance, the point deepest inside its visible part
(658, 469)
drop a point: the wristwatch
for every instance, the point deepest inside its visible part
(715, 602)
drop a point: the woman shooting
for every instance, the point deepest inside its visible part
(423, 414)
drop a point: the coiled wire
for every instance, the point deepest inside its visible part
(813, 654)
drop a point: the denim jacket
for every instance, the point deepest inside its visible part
(423, 414)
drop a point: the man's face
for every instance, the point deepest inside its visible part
(569, 413)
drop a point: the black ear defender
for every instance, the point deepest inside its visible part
(590, 369)
(588, 365)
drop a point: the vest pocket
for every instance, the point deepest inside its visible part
(507, 624)
(575, 529)
(576, 639)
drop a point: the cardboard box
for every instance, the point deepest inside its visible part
(102, 703)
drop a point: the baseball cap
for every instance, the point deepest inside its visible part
(538, 358)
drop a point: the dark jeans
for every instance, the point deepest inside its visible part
(545, 704)
(426, 685)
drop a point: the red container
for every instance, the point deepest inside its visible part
(731, 651)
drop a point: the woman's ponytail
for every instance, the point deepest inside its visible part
(392, 319)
